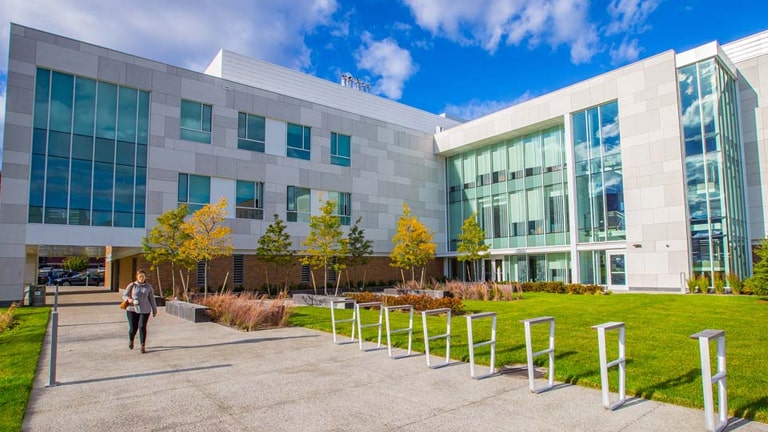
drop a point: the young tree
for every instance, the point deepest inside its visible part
(413, 245)
(209, 237)
(360, 249)
(75, 263)
(758, 283)
(163, 242)
(471, 245)
(326, 245)
(275, 249)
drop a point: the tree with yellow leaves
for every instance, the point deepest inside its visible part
(209, 237)
(472, 244)
(326, 245)
(413, 245)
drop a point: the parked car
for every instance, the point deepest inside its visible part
(82, 279)
(42, 277)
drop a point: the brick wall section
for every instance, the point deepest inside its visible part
(377, 269)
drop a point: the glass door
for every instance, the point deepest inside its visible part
(617, 276)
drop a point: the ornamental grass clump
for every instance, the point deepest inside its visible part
(248, 311)
(6, 318)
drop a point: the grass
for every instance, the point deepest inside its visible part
(19, 353)
(663, 363)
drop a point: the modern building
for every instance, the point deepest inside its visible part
(635, 179)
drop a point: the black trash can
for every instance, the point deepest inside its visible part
(35, 295)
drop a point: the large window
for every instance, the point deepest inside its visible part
(194, 190)
(250, 200)
(195, 121)
(89, 152)
(599, 177)
(298, 143)
(298, 204)
(340, 149)
(713, 170)
(517, 187)
(250, 132)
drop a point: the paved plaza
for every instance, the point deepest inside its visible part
(207, 377)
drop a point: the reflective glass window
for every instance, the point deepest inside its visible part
(298, 141)
(61, 100)
(298, 204)
(249, 200)
(196, 121)
(42, 96)
(251, 131)
(340, 149)
(85, 105)
(106, 110)
(126, 114)
(102, 186)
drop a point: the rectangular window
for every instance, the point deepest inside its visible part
(305, 274)
(238, 273)
(250, 132)
(250, 200)
(298, 143)
(343, 206)
(340, 149)
(196, 121)
(298, 206)
(194, 190)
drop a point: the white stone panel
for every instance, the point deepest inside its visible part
(275, 137)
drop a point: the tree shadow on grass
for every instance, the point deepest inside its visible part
(686, 378)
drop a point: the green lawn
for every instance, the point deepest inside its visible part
(19, 353)
(663, 363)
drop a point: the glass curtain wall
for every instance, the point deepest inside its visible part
(714, 185)
(518, 190)
(599, 179)
(89, 152)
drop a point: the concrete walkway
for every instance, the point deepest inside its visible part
(206, 377)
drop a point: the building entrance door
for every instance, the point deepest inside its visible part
(617, 275)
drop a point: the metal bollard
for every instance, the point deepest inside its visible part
(54, 339)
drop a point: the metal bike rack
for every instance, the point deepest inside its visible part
(472, 345)
(621, 362)
(361, 326)
(352, 320)
(707, 379)
(408, 329)
(446, 335)
(529, 351)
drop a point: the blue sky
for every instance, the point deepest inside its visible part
(466, 58)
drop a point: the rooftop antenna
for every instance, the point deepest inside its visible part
(355, 83)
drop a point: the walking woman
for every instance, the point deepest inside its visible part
(141, 300)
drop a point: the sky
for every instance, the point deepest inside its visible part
(466, 58)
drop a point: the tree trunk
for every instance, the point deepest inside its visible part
(266, 278)
(205, 278)
(314, 284)
(159, 284)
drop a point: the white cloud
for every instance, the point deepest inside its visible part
(629, 15)
(489, 23)
(186, 33)
(627, 51)
(389, 62)
(476, 108)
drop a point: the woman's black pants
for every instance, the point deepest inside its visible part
(137, 322)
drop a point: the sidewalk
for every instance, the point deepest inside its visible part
(206, 377)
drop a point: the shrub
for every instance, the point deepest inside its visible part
(734, 283)
(719, 284)
(248, 311)
(419, 302)
(7, 319)
(691, 282)
(702, 284)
